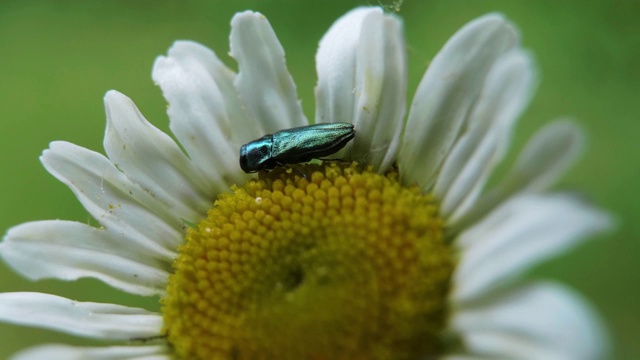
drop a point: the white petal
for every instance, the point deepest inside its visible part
(519, 234)
(86, 319)
(69, 250)
(543, 321)
(66, 352)
(446, 93)
(362, 78)
(122, 207)
(263, 81)
(546, 158)
(336, 67)
(153, 160)
(206, 113)
(506, 92)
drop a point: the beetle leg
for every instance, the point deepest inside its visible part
(337, 160)
(292, 169)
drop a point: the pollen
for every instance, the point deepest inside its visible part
(341, 263)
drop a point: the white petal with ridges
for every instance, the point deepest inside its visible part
(263, 81)
(70, 251)
(122, 207)
(519, 234)
(545, 158)
(67, 352)
(206, 112)
(446, 94)
(542, 321)
(336, 67)
(504, 95)
(362, 79)
(153, 160)
(86, 319)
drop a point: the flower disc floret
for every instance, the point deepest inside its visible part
(341, 264)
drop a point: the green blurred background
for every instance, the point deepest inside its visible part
(58, 58)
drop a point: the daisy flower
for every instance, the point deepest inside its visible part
(400, 253)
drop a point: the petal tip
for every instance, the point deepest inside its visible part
(113, 96)
(494, 21)
(246, 15)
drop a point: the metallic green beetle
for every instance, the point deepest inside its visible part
(293, 146)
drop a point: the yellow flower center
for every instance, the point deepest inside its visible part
(342, 264)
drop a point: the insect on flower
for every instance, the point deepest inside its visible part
(293, 146)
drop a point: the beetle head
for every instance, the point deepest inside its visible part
(256, 155)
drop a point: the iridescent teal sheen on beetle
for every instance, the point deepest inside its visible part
(293, 146)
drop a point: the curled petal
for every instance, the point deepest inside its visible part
(151, 159)
(361, 64)
(505, 93)
(263, 81)
(206, 112)
(447, 93)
